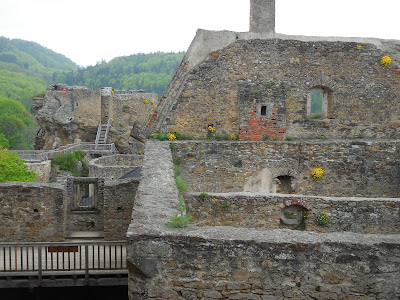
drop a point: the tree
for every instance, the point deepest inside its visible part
(17, 124)
(4, 143)
(12, 168)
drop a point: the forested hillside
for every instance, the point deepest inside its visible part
(151, 72)
(26, 69)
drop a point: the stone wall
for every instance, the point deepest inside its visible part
(130, 115)
(85, 220)
(66, 116)
(227, 87)
(113, 167)
(118, 203)
(259, 264)
(70, 113)
(351, 168)
(251, 210)
(42, 170)
(224, 262)
(31, 212)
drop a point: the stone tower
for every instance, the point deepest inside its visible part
(262, 16)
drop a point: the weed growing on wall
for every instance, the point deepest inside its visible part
(204, 196)
(170, 136)
(317, 173)
(322, 219)
(386, 61)
(181, 219)
(69, 162)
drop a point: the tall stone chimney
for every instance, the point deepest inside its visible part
(262, 16)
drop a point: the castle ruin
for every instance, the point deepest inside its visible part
(264, 110)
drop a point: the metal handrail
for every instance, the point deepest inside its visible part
(108, 128)
(98, 134)
(43, 155)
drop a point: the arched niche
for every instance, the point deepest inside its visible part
(272, 180)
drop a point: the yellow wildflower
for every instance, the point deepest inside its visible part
(171, 136)
(317, 173)
(386, 61)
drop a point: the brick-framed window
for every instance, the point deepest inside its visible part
(264, 110)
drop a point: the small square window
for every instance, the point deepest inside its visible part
(264, 110)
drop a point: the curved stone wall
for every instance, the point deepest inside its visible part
(113, 167)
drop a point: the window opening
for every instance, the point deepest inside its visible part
(84, 196)
(284, 185)
(316, 102)
(263, 110)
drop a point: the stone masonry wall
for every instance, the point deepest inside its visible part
(351, 168)
(114, 166)
(72, 113)
(31, 212)
(42, 170)
(225, 89)
(66, 116)
(130, 115)
(91, 220)
(118, 202)
(362, 215)
(224, 262)
(265, 264)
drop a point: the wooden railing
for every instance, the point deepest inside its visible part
(41, 259)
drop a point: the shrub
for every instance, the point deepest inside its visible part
(204, 196)
(158, 136)
(12, 168)
(179, 221)
(225, 205)
(69, 162)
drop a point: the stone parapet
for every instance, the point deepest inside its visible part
(252, 210)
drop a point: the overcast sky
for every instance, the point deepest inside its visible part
(87, 31)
